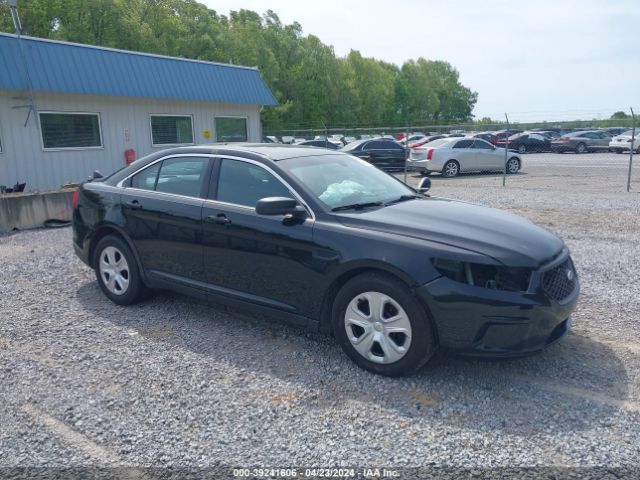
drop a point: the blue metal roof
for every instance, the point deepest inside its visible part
(64, 67)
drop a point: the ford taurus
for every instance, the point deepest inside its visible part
(328, 241)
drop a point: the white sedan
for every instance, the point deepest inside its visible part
(451, 156)
(622, 142)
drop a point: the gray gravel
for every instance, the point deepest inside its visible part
(173, 382)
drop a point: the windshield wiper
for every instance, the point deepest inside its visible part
(402, 198)
(357, 206)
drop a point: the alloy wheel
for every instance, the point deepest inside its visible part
(513, 166)
(114, 270)
(378, 327)
(451, 169)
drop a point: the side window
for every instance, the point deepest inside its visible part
(481, 144)
(392, 146)
(146, 179)
(463, 144)
(182, 176)
(243, 183)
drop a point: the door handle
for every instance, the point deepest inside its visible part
(133, 205)
(220, 219)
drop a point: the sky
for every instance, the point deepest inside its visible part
(533, 59)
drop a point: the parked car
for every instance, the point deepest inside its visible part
(270, 139)
(319, 143)
(526, 142)
(452, 156)
(613, 131)
(582, 141)
(426, 140)
(624, 141)
(551, 134)
(502, 134)
(384, 153)
(489, 137)
(324, 240)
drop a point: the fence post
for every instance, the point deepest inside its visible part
(406, 149)
(506, 151)
(633, 141)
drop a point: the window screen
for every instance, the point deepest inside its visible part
(70, 130)
(231, 129)
(171, 130)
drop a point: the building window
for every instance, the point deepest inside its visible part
(171, 130)
(231, 129)
(70, 130)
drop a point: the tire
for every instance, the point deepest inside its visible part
(618, 150)
(522, 149)
(581, 148)
(384, 352)
(425, 173)
(513, 166)
(451, 169)
(117, 271)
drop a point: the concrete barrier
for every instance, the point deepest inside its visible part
(28, 210)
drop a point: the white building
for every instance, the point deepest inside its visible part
(68, 109)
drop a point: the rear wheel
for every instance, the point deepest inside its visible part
(581, 148)
(381, 326)
(451, 169)
(117, 271)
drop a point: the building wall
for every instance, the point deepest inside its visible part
(124, 124)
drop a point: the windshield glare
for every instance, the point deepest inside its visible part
(338, 180)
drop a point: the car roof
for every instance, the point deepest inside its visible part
(252, 151)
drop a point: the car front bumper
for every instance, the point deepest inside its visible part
(477, 321)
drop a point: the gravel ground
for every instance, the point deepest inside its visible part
(173, 382)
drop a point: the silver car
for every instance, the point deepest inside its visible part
(451, 156)
(622, 142)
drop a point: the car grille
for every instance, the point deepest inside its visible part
(560, 281)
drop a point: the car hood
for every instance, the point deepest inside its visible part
(507, 238)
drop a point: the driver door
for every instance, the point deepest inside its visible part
(255, 258)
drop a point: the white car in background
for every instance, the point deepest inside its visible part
(452, 156)
(622, 142)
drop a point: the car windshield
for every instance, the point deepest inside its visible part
(341, 180)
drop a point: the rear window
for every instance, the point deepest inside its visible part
(436, 143)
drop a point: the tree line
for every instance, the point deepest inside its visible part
(312, 84)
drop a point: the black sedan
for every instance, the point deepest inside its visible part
(384, 153)
(527, 142)
(319, 143)
(327, 241)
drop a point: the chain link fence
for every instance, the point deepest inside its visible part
(597, 155)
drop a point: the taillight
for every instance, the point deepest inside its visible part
(74, 199)
(629, 141)
(430, 154)
(564, 139)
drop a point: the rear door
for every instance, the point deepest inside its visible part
(162, 206)
(465, 154)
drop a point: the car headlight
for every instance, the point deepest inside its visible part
(495, 277)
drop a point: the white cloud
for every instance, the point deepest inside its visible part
(532, 58)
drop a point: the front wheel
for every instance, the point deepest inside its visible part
(381, 326)
(522, 149)
(117, 271)
(581, 148)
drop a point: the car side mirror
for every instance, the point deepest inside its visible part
(286, 206)
(425, 185)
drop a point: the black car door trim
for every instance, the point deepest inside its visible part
(227, 292)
